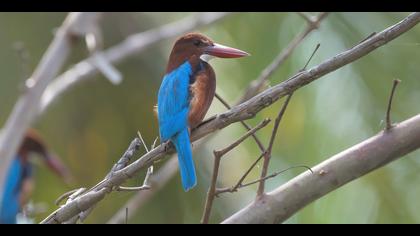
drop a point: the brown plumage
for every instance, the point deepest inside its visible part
(202, 94)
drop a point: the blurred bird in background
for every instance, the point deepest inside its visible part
(186, 93)
(19, 183)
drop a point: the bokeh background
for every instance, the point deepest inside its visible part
(91, 125)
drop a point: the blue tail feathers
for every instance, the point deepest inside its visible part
(185, 160)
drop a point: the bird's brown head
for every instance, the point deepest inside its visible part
(194, 46)
(33, 143)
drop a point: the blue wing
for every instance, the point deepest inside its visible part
(173, 102)
(173, 109)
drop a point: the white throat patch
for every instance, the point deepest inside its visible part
(206, 57)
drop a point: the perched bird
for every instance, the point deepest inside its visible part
(19, 184)
(186, 93)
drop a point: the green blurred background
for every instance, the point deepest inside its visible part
(91, 125)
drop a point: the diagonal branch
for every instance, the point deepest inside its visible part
(251, 107)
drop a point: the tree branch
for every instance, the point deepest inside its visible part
(350, 164)
(25, 110)
(251, 107)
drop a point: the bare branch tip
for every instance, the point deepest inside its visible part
(389, 124)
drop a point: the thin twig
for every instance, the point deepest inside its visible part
(146, 184)
(65, 196)
(267, 155)
(241, 185)
(388, 111)
(211, 192)
(310, 58)
(126, 215)
(142, 141)
(132, 189)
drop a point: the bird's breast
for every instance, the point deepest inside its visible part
(202, 88)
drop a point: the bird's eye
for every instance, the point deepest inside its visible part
(197, 43)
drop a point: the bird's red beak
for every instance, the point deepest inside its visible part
(222, 51)
(58, 168)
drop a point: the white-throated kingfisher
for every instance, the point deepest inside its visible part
(19, 184)
(186, 93)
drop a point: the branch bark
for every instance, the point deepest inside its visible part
(375, 152)
(25, 110)
(251, 107)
